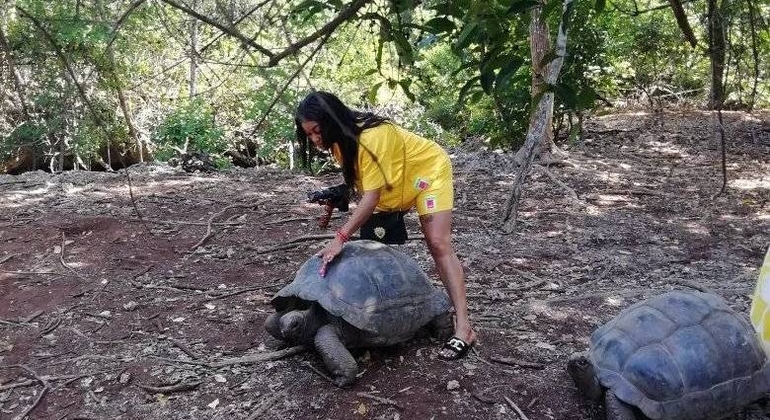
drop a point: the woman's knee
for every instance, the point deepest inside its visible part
(439, 246)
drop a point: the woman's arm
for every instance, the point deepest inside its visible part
(361, 214)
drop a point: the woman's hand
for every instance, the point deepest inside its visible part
(328, 254)
(362, 212)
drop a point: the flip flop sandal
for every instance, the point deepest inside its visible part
(458, 347)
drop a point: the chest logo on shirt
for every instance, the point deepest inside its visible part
(421, 184)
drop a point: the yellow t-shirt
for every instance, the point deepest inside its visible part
(405, 168)
(760, 304)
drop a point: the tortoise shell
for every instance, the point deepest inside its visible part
(681, 355)
(372, 286)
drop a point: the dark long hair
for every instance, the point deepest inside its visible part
(339, 124)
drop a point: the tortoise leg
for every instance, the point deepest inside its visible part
(341, 364)
(616, 409)
(442, 326)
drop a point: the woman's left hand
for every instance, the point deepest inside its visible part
(328, 254)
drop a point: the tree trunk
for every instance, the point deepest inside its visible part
(5, 49)
(133, 133)
(717, 51)
(194, 54)
(540, 128)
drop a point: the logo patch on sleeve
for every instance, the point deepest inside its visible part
(430, 202)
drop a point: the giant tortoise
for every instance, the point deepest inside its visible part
(371, 295)
(680, 355)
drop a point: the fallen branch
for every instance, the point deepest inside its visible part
(28, 382)
(515, 407)
(513, 362)
(46, 387)
(380, 400)
(267, 403)
(245, 360)
(182, 387)
(570, 192)
(186, 350)
(7, 258)
(136, 208)
(64, 264)
(246, 289)
(33, 273)
(262, 357)
(211, 220)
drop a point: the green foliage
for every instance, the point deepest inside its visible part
(448, 70)
(191, 128)
(29, 134)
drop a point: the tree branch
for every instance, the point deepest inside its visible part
(325, 30)
(230, 31)
(681, 20)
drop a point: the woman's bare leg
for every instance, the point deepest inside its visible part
(437, 229)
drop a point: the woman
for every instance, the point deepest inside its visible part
(392, 169)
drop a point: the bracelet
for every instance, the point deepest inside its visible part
(343, 237)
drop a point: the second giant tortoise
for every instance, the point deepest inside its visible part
(371, 295)
(679, 355)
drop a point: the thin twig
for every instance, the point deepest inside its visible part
(246, 289)
(380, 400)
(262, 357)
(182, 387)
(133, 202)
(64, 264)
(42, 273)
(182, 347)
(211, 220)
(515, 407)
(46, 387)
(28, 382)
(513, 362)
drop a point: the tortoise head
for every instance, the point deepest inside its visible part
(300, 326)
(583, 373)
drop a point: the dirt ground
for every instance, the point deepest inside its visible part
(143, 296)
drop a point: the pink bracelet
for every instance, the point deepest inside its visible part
(343, 237)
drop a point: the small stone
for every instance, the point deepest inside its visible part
(214, 403)
(125, 377)
(452, 385)
(130, 306)
(105, 314)
(219, 378)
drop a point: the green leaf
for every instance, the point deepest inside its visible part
(505, 75)
(551, 7)
(465, 90)
(378, 56)
(404, 48)
(467, 36)
(439, 25)
(405, 83)
(372, 95)
(550, 56)
(521, 6)
(567, 94)
(487, 79)
(600, 5)
(586, 98)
